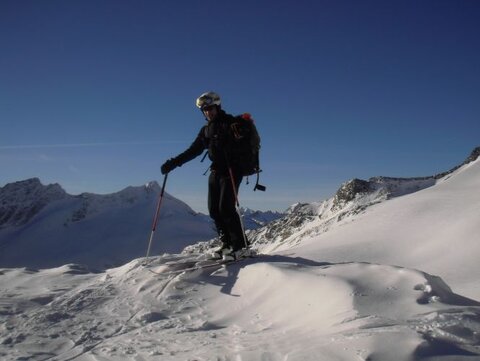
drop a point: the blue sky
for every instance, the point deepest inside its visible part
(95, 95)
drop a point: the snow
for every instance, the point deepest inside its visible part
(436, 230)
(43, 226)
(384, 279)
(96, 230)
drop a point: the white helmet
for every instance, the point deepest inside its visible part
(207, 99)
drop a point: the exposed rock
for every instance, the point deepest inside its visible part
(349, 190)
(473, 156)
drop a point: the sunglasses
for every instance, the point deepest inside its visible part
(207, 108)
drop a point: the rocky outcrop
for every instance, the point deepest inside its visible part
(472, 157)
(349, 190)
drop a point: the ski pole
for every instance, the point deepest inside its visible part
(155, 218)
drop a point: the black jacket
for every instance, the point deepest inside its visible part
(218, 138)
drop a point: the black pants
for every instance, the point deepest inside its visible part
(221, 205)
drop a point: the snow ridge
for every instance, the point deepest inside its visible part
(354, 197)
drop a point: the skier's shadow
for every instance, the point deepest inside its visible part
(227, 281)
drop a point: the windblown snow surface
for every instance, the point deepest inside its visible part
(397, 282)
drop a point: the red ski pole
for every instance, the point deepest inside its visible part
(155, 218)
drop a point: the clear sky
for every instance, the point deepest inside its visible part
(96, 95)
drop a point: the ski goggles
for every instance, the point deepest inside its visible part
(207, 108)
(207, 100)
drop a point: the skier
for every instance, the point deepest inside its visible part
(225, 175)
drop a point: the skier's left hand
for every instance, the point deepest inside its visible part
(169, 165)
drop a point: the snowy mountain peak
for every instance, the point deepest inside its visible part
(153, 186)
(31, 187)
(21, 201)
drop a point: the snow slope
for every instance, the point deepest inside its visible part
(436, 230)
(362, 277)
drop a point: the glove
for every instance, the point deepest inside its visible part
(169, 165)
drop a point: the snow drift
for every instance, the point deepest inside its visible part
(273, 307)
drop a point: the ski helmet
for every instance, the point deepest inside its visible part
(207, 99)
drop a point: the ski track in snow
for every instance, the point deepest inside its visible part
(272, 307)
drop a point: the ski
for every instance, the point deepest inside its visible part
(203, 264)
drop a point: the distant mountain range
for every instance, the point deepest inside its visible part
(256, 219)
(43, 226)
